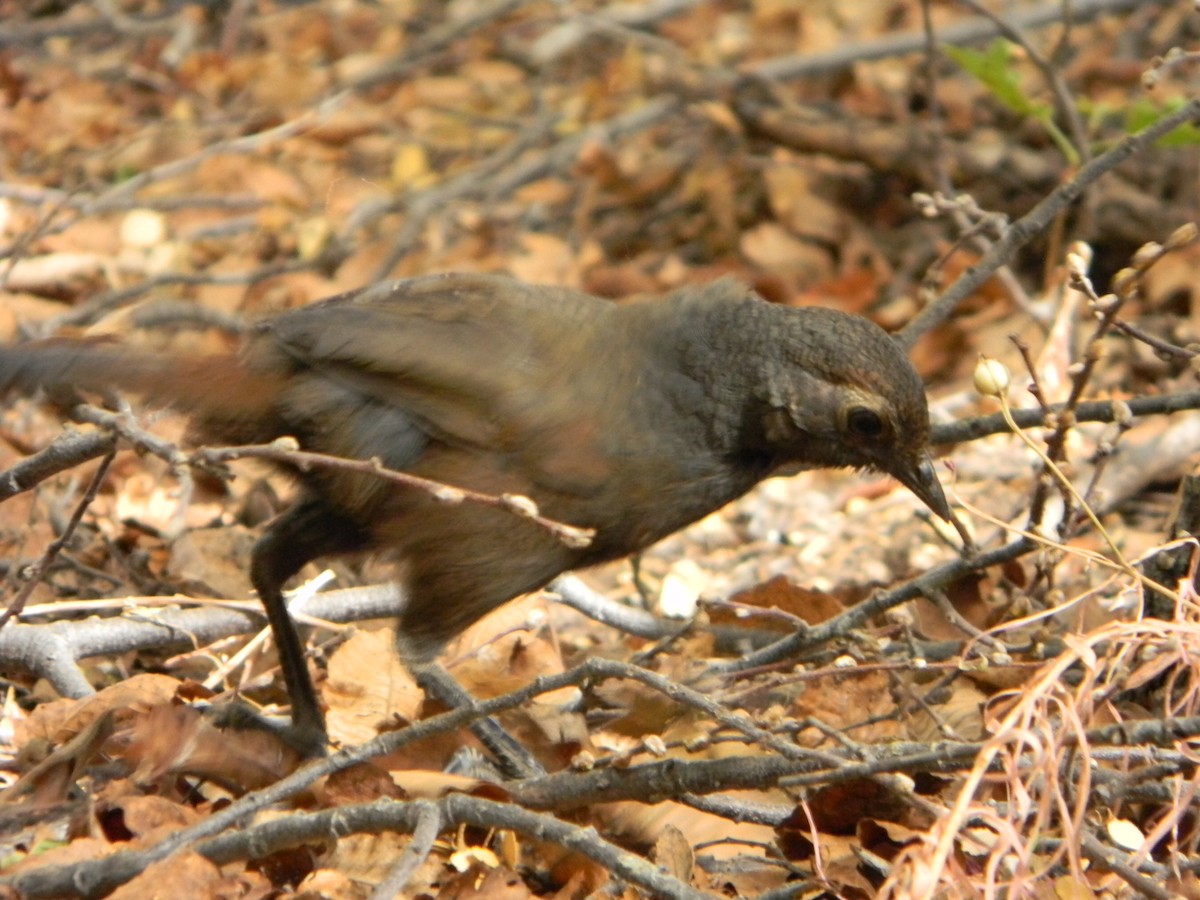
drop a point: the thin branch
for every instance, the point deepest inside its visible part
(1088, 411)
(1028, 226)
(38, 571)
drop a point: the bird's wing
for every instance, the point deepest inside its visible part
(472, 361)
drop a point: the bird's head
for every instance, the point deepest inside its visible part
(841, 392)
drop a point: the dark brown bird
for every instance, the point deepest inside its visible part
(632, 419)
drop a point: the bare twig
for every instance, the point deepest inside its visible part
(284, 451)
(1087, 411)
(425, 831)
(1024, 229)
(806, 65)
(36, 572)
(69, 449)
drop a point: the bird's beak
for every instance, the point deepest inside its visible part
(922, 480)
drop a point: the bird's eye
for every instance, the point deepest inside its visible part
(864, 422)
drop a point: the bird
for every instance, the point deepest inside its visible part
(632, 419)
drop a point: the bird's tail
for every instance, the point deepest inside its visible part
(226, 399)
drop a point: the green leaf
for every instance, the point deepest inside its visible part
(1143, 113)
(994, 69)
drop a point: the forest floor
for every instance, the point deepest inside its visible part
(1019, 722)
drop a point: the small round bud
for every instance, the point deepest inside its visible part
(1076, 267)
(583, 761)
(521, 505)
(1084, 250)
(1124, 281)
(143, 228)
(991, 377)
(1122, 414)
(1147, 253)
(1183, 236)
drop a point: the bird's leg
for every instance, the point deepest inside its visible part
(514, 760)
(302, 533)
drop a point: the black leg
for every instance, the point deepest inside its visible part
(307, 530)
(514, 760)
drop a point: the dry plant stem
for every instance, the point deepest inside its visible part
(939, 599)
(1167, 829)
(455, 809)
(1045, 719)
(1041, 494)
(436, 40)
(806, 65)
(857, 616)
(68, 450)
(92, 309)
(1116, 862)
(129, 25)
(1119, 567)
(1065, 484)
(1155, 344)
(38, 571)
(664, 644)
(425, 831)
(1068, 109)
(626, 22)
(936, 134)
(944, 656)
(52, 650)
(976, 229)
(739, 809)
(1105, 857)
(1105, 454)
(280, 452)
(452, 811)
(28, 33)
(94, 878)
(513, 759)
(120, 195)
(1087, 411)
(124, 424)
(1024, 229)
(14, 252)
(919, 700)
(574, 593)
(231, 28)
(173, 313)
(35, 195)
(645, 783)
(502, 182)
(421, 206)
(74, 754)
